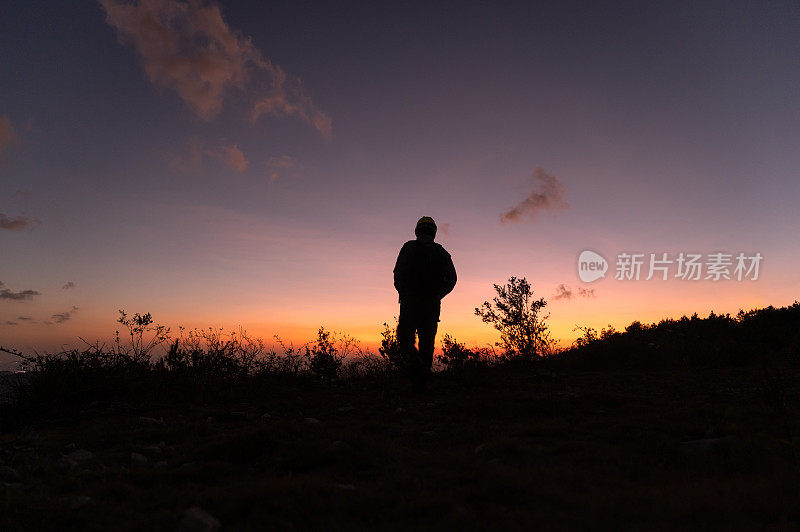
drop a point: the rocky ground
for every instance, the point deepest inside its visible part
(499, 447)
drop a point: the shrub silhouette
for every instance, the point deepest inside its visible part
(323, 357)
(390, 347)
(517, 316)
(456, 356)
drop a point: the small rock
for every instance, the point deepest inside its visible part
(345, 408)
(79, 501)
(144, 420)
(240, 415)
(9, 474)
(71, 447)
(265, 416)
(195, 519)
(160, 463)
(162, 444)
(345, 486)
(399, 410)
(188, 465)
(429, 433)
(706, 444)
(81, 455)
(312, 420)
(480, 448)
(210, 419)
(138, 459)
(155, 449)
(338, 446)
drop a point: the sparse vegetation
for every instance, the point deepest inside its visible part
(693, 419)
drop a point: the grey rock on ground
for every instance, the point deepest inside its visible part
(9, 474)
(195, 519)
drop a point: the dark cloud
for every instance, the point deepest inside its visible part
(68, 285)
(562, 292)
(547, 194)
(16, 224)
(12, 323)
(24, 318)
(565, 292)
(586, 292)
(61, 317)
(24, 295)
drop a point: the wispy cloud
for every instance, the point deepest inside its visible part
(288, 98)
(284, 165)
(562, 292)
(68, 285)
(586, 292)
(234, 157)
(62, 317)
(24, 318)
(7, 134)
(188, 47)
(191, 160)
(23, 195)
(12, 323)
(24, 295)
(547, 194)
(565, 292)
(18, 223)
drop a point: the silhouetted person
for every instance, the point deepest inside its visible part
(423, 275)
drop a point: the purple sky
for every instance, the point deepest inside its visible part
(261, 163)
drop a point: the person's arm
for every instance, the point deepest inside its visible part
(449, 274)
(401, 271)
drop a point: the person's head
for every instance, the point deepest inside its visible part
(425, 227)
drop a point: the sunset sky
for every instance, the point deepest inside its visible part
(259, 164)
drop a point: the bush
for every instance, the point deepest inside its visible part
(390, 347)
(456, 356)
(524, 333)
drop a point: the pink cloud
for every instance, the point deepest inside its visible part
(190, 161)
(283, 165)
(234, 157)
(7, 133)
(288, 98)
(189, 48)
(17, 223)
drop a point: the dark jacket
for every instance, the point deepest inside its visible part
(424, 272)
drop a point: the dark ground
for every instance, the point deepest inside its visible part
(493, 448)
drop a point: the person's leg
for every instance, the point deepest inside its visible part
(427, 340)
(407, 332)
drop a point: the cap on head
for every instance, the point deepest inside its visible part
(425, 226)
